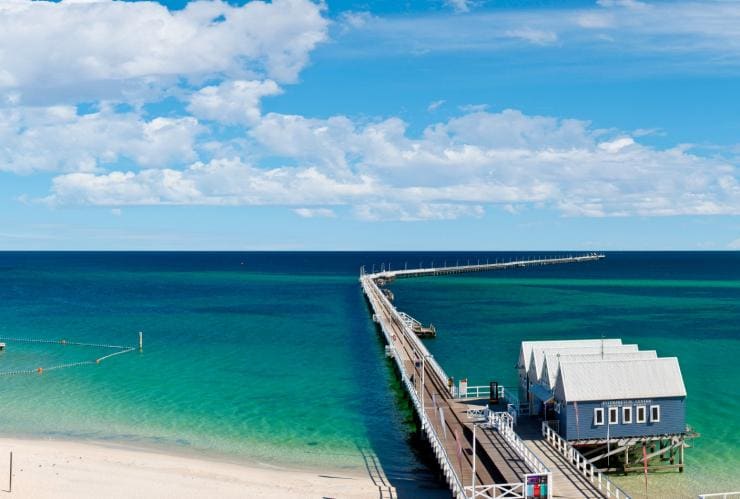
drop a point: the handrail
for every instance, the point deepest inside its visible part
(507, 490)
(436, 443)
(723, 495)
(418, 345)
(587, 469)
(504, 423)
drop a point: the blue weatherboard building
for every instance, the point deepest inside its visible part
(607, 399)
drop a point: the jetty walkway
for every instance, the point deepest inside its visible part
(476, 446)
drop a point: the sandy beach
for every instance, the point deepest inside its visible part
(62, 469)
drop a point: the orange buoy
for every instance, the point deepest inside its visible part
(40, 370)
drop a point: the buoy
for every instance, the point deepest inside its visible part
(40, 370)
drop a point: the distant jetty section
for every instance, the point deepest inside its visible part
(471, 428)
(386, 274)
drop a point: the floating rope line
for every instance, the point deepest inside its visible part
(40, 370)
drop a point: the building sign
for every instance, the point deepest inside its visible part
(536, 486)
(619, 403)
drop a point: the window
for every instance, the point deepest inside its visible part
(627, 414)
(641, 414)
(613, 415)
(598, 416)
(654, 413)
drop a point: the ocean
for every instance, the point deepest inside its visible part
(273, 358)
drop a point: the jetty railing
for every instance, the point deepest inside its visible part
(495, 491)
(587, 469)
(504, 423)
(427, 427)
(480, 267)
(418, 346)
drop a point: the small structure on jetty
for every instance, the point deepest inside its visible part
(609, 401)
(417, 327)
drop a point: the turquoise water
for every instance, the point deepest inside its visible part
(272, 357)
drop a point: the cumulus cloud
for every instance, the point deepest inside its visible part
(452, 169)
(68, 43)
(232, 102)
(57, 138)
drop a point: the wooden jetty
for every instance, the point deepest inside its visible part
(478, 450)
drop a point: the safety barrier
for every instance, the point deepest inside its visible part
(504, 423)
(427, 427)
(500, 490)
(64, 342)
(587, 469)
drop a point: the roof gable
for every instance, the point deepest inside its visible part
(551, 364)
(619, 379)
(537, 360)
(525, 351)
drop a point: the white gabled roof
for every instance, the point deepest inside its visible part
(620, 379)
(553, 360)
(525, 351)
(537, 361)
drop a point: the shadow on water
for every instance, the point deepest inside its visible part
(397, 453)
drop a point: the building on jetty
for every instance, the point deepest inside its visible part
(481, 452)
(526, 377)
(608, 399)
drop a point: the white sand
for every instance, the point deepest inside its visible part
(61, 469)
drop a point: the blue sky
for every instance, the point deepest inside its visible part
(298, 125)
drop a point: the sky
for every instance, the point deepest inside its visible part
(369, 125)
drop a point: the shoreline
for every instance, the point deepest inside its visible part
(90, 469)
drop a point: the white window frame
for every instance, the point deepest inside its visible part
(652, 419)
(637, 414)
(615, 411)
(627, 411)
(598, 411)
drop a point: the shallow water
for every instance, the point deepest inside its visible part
(272, 357)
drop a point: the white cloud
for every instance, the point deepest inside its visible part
(218, 182)
(536, 36)
(66, 44)
(415, 212)
(734, 245)
(57, 138)
(315, 212)
(673, 30)
(460, 5)
(232, 102)
(433, 106)
(452, 169)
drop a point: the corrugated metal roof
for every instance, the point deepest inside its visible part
(537, 361)
(554, 359)
(525, 351)
(620, 379)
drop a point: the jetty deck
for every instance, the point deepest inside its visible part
(478, 450)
